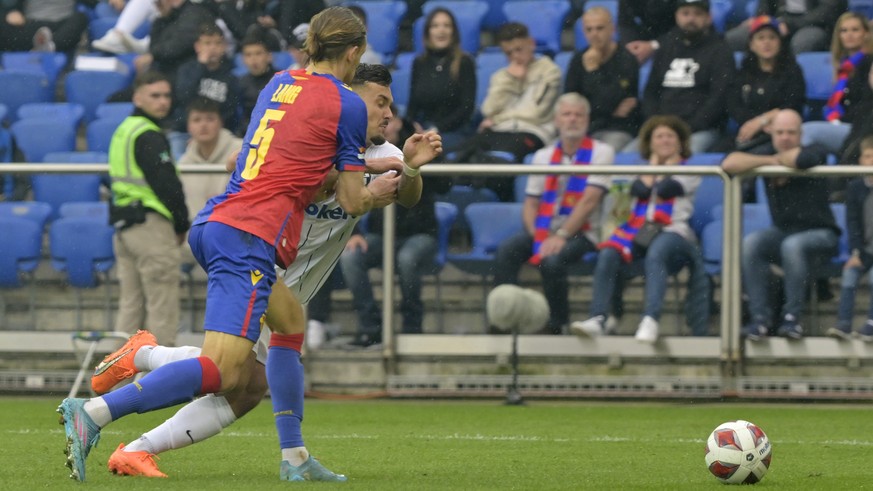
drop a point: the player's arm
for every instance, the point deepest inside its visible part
(355, 198)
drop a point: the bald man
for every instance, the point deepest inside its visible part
(804, 232)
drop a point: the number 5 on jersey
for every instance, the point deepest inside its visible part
(260, 143)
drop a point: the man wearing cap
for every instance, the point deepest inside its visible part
(808, 24)
(691, 73)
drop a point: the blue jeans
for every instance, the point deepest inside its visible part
(516, 250)
(415, 254)
(666, 256)
(798, 254)
(848, 285)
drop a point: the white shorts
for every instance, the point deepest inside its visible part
(262, 345)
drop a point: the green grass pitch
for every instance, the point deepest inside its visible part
(423, 444)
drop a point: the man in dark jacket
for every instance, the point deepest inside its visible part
(172, 36)
(804, 232)
(808, 23)
(691, 75)
(44, 25)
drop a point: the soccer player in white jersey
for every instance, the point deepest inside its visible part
(326, 229)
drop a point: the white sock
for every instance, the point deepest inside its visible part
(295, 456)
(150, 358)
(134, 13)
(97, 408)
(195, 422)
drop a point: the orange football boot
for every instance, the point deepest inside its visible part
(134, 463)
(118, 365)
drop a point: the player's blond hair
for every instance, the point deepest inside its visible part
(332, 31)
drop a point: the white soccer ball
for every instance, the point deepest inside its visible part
(738, 452)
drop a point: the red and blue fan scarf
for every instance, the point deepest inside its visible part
(572, 195)
(622, 238)
(834, 110)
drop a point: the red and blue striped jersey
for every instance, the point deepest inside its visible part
(302, 125)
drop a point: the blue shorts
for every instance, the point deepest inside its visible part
(240, 275)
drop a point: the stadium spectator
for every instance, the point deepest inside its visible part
(657, 233)
(769, 79)
(210, 75)
(172, 36)
(859, 225)
(210, 144)
(443, 92)
(240, 18)
(852, 57)
(148, 210)
(561, 211)
(44, 25)
(259, 219)
(120, 39)
(804, 231)
(518, 107)
(808, 24)
(296, 48)
(258, 59)
(691, 75)
(609, 78)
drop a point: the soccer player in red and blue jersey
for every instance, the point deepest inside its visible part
(305, 124)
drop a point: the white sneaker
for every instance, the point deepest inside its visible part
(316, 334)
(138, 46)
(111, 42)
(590, 328)
(611, 324)
(647, 332)
(43, 40)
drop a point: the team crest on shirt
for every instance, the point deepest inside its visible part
(681, 73)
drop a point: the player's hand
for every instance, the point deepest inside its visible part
(356, 242)
(421, 148)
(383, 165)
(384, 189)
(15, 18)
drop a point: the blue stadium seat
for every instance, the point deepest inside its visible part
(114, 110)
(77, 157)
(543, 18)
(464, 196)
(709, 194)
(645, 70)
(401, 86)
(3, 111)
(721, 12)
(495, 17)
(105, 11)
(44, 63)
(468, 14)
(99, 133)
(36, 137)
(61, 111)
(404, 60)
(819, 76)
(98, 210)
(91, 88)
(34, 211)
(864, 7)
(706, 158)
(21, 243)
(562, 59)
(383, 19)
(446, 214)
(81, 248)
(487, 63)
(57, 189)
(23, 87)
(755, 217)
(579, 35)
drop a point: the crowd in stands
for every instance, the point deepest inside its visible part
(660, 81)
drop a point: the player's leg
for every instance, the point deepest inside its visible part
(285, 377)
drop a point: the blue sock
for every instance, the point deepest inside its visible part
(285, 377)
(171, 384)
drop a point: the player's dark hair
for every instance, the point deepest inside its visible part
(372, 73)
(204, 105)
(675, 123)
(511, 31)
(332, 31)
(148, 78)
(209, 29)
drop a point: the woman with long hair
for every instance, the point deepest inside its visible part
(769, 79)
(852, 57)
(657, 233)
(443, 91)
